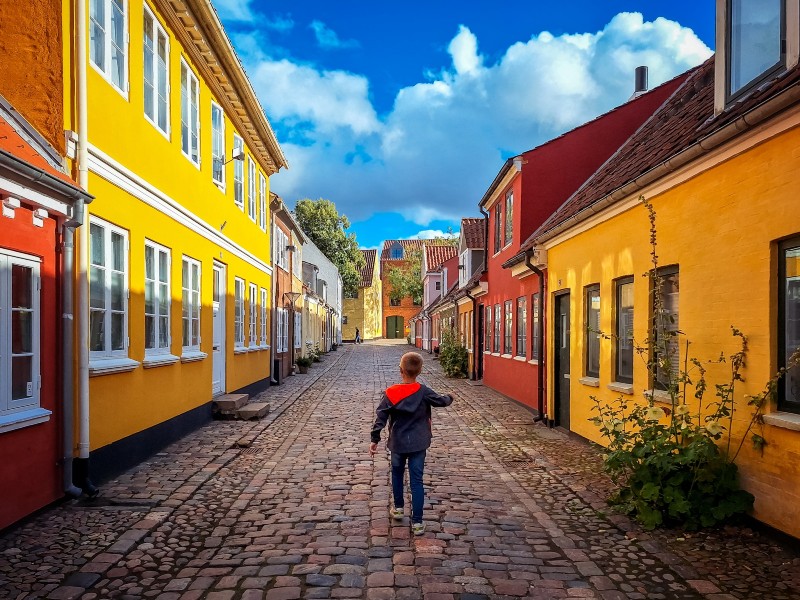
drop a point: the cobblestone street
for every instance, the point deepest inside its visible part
(294, 507)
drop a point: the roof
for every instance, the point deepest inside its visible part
(406, 244)
(13, 143)
(368, 270)
(437, 254)
(472, 233)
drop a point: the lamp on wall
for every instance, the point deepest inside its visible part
(236, 154)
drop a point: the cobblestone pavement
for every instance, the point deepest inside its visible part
(294, 507)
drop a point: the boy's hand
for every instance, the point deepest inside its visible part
(373, 448)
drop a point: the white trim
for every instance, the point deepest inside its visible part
(521, 358)
(220, 183)
(190, 356)
(238, 143)
(252, 323)
(506, 356)
(191, 263)
(102, 165)
(784, 420)
(108, 230)
(590, 381)
(159, 360)
(190, 77)
(31, 196)
(26, 418)
(239, 342)
(252, 191)
(622, 388)
(110, 366)
(15, 254)
(262, 201)
(105, 70)
(534, 361)
(158, 28)
(241, 350)
(158, 249)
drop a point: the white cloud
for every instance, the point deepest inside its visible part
(234, 10)
(327, 39)
(435, 153)
(428, 234)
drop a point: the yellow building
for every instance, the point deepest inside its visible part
(719, 162)
(365, 311)
(174, 270)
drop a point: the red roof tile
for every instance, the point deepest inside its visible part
(472, 232)
(436, 254)
(368, 269)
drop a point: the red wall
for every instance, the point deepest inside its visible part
(29, 469)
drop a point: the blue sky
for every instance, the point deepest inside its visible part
(403, 112)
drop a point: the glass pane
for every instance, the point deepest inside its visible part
(97, 330)
(196, 302)
(21, 377)
(163, 332)
(97, 289)
(163, 267)
(624, 333)
(149, 263)
(118, 68)
(792, 324)
(117, 291)
(185, 274)
(21, 332)
(97, 47)
(98, 247)
(185, 303)
(593, 332)
(196, 278)
(163, 299)
(21, 286)
(185, 332)
(148, 95)
(149, 297)
(117, 331)
(755, 39)
(118, 251)
(149, 332)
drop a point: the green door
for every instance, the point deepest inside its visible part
(394, 327)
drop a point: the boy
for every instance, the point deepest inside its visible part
(407, 409)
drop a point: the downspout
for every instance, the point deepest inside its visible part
(485, 240)
(540, 349)
(474, 336)
(82, 321)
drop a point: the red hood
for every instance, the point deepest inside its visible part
(401, 391)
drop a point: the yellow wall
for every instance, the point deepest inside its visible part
(364, 312)
(720, 227)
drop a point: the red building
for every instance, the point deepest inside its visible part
(526, 191)
(41, 207)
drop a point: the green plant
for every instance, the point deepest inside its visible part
(304, 361)
(453, 356)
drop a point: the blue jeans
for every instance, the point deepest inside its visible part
(416, 465)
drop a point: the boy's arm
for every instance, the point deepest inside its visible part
(435, 399)
(381, 417)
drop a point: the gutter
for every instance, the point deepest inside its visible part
(542, 362)
(36, 175)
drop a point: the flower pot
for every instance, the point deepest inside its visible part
(303, 370)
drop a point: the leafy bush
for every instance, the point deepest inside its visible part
(304, 361)
(453, 355)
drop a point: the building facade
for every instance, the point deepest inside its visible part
(323, 299)
(364, 312)
(397, 311)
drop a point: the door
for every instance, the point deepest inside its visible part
(478, 343)
(562, 359)
(394, 327)
(218, 351)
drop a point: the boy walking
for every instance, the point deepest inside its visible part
(406, 407)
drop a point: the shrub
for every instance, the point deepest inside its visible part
(304, 361)
(453, 356)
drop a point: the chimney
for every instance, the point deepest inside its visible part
(641, 81)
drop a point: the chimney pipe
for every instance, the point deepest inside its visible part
(641, 80)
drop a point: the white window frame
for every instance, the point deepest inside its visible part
(251, 189)
(281, 240)
(238, 313)
(262, 201)
(264, 338)
(32, 400)
(253, 315)
(190, 308)
(238, 173)
(283, 330)
(298, 330)
(158, 31)
(187, 75)
(158, 249)
(108, 229)
(218, 144)
(108, 44)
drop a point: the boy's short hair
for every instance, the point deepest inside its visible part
(411, 363)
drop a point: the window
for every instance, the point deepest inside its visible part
(281, 255)
(497, 318)
(238, 314)
(623, 331)
(108, 290)
(394, 301)
(156, 298)
(156, 77)
(253, 315)
(298, 330)
(190, 117)
(238, 172)
(469, 330)
(438, 286)
(264, 342)
(108, 43)
(351, 294)
(665, 324)
(396, 252)
(487, 341)
(344, 319)
(416, 301)
(789, 324)
(509, 230)
(251, 189)
(522, 326)
(536, 331)
(509, 324)
(217, 145)
(498, 227)
(190, 294)
(282, 340)
(262, 202)
(19, 333)
(592, 316)
(755, 37)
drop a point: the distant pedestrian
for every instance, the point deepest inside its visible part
(358, 336)
(406, 407)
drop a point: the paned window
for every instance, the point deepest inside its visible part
(592, 315)
(262, 201)
(217, 145)
(665, 324)
(508, 334)
(253, 315)
(509, 229)
(394, 301)
(238, 313)
(282, 340)
(281, 255)
(789, 324)
(264, 317)
(396, 252)
(623, 334)
(497, 320)
(19, 333)
(108, 290)
(251, 189)
(498, 227)
(755, 34)
(156, 298)
(190, 116)
(438, 285)
(190, 298)
(487, 337)
(108, 41)
(156, 72)
(298, 330)
(238, 172)
(536, 329)
(522, 326)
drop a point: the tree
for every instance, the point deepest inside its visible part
(406, 280)
(321, 222)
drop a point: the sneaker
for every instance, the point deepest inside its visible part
(418, 528)
(396, 513)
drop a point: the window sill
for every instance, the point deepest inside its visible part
(784, 420)
(241, 350)
(254, 349)
(535, 361)
(495, 354)
(159, 360)
(190, 356)
(521, 358)
(590, 381)
(506, 356)
(658, 396)
(111, 366)
(25, 418)
(622, 388)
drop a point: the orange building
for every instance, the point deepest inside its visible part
(397, 311)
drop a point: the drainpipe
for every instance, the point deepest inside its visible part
(81, 465)
(474, 345)
(542, 362)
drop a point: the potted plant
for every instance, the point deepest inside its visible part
(303, 363)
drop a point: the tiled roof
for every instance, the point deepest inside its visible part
(436, 254)
(406, 244)
(472, 232)
(368, 269)
(685, 119)
(11, 142)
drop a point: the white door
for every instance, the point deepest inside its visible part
(218, 353)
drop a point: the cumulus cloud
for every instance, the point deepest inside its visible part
(435, 153)
(327, 39)
(234, 10)
(430, 234)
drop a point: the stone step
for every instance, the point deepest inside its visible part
(229, 402)
(254, 410)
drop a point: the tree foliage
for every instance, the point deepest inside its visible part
(406, 280)
(320, 220)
